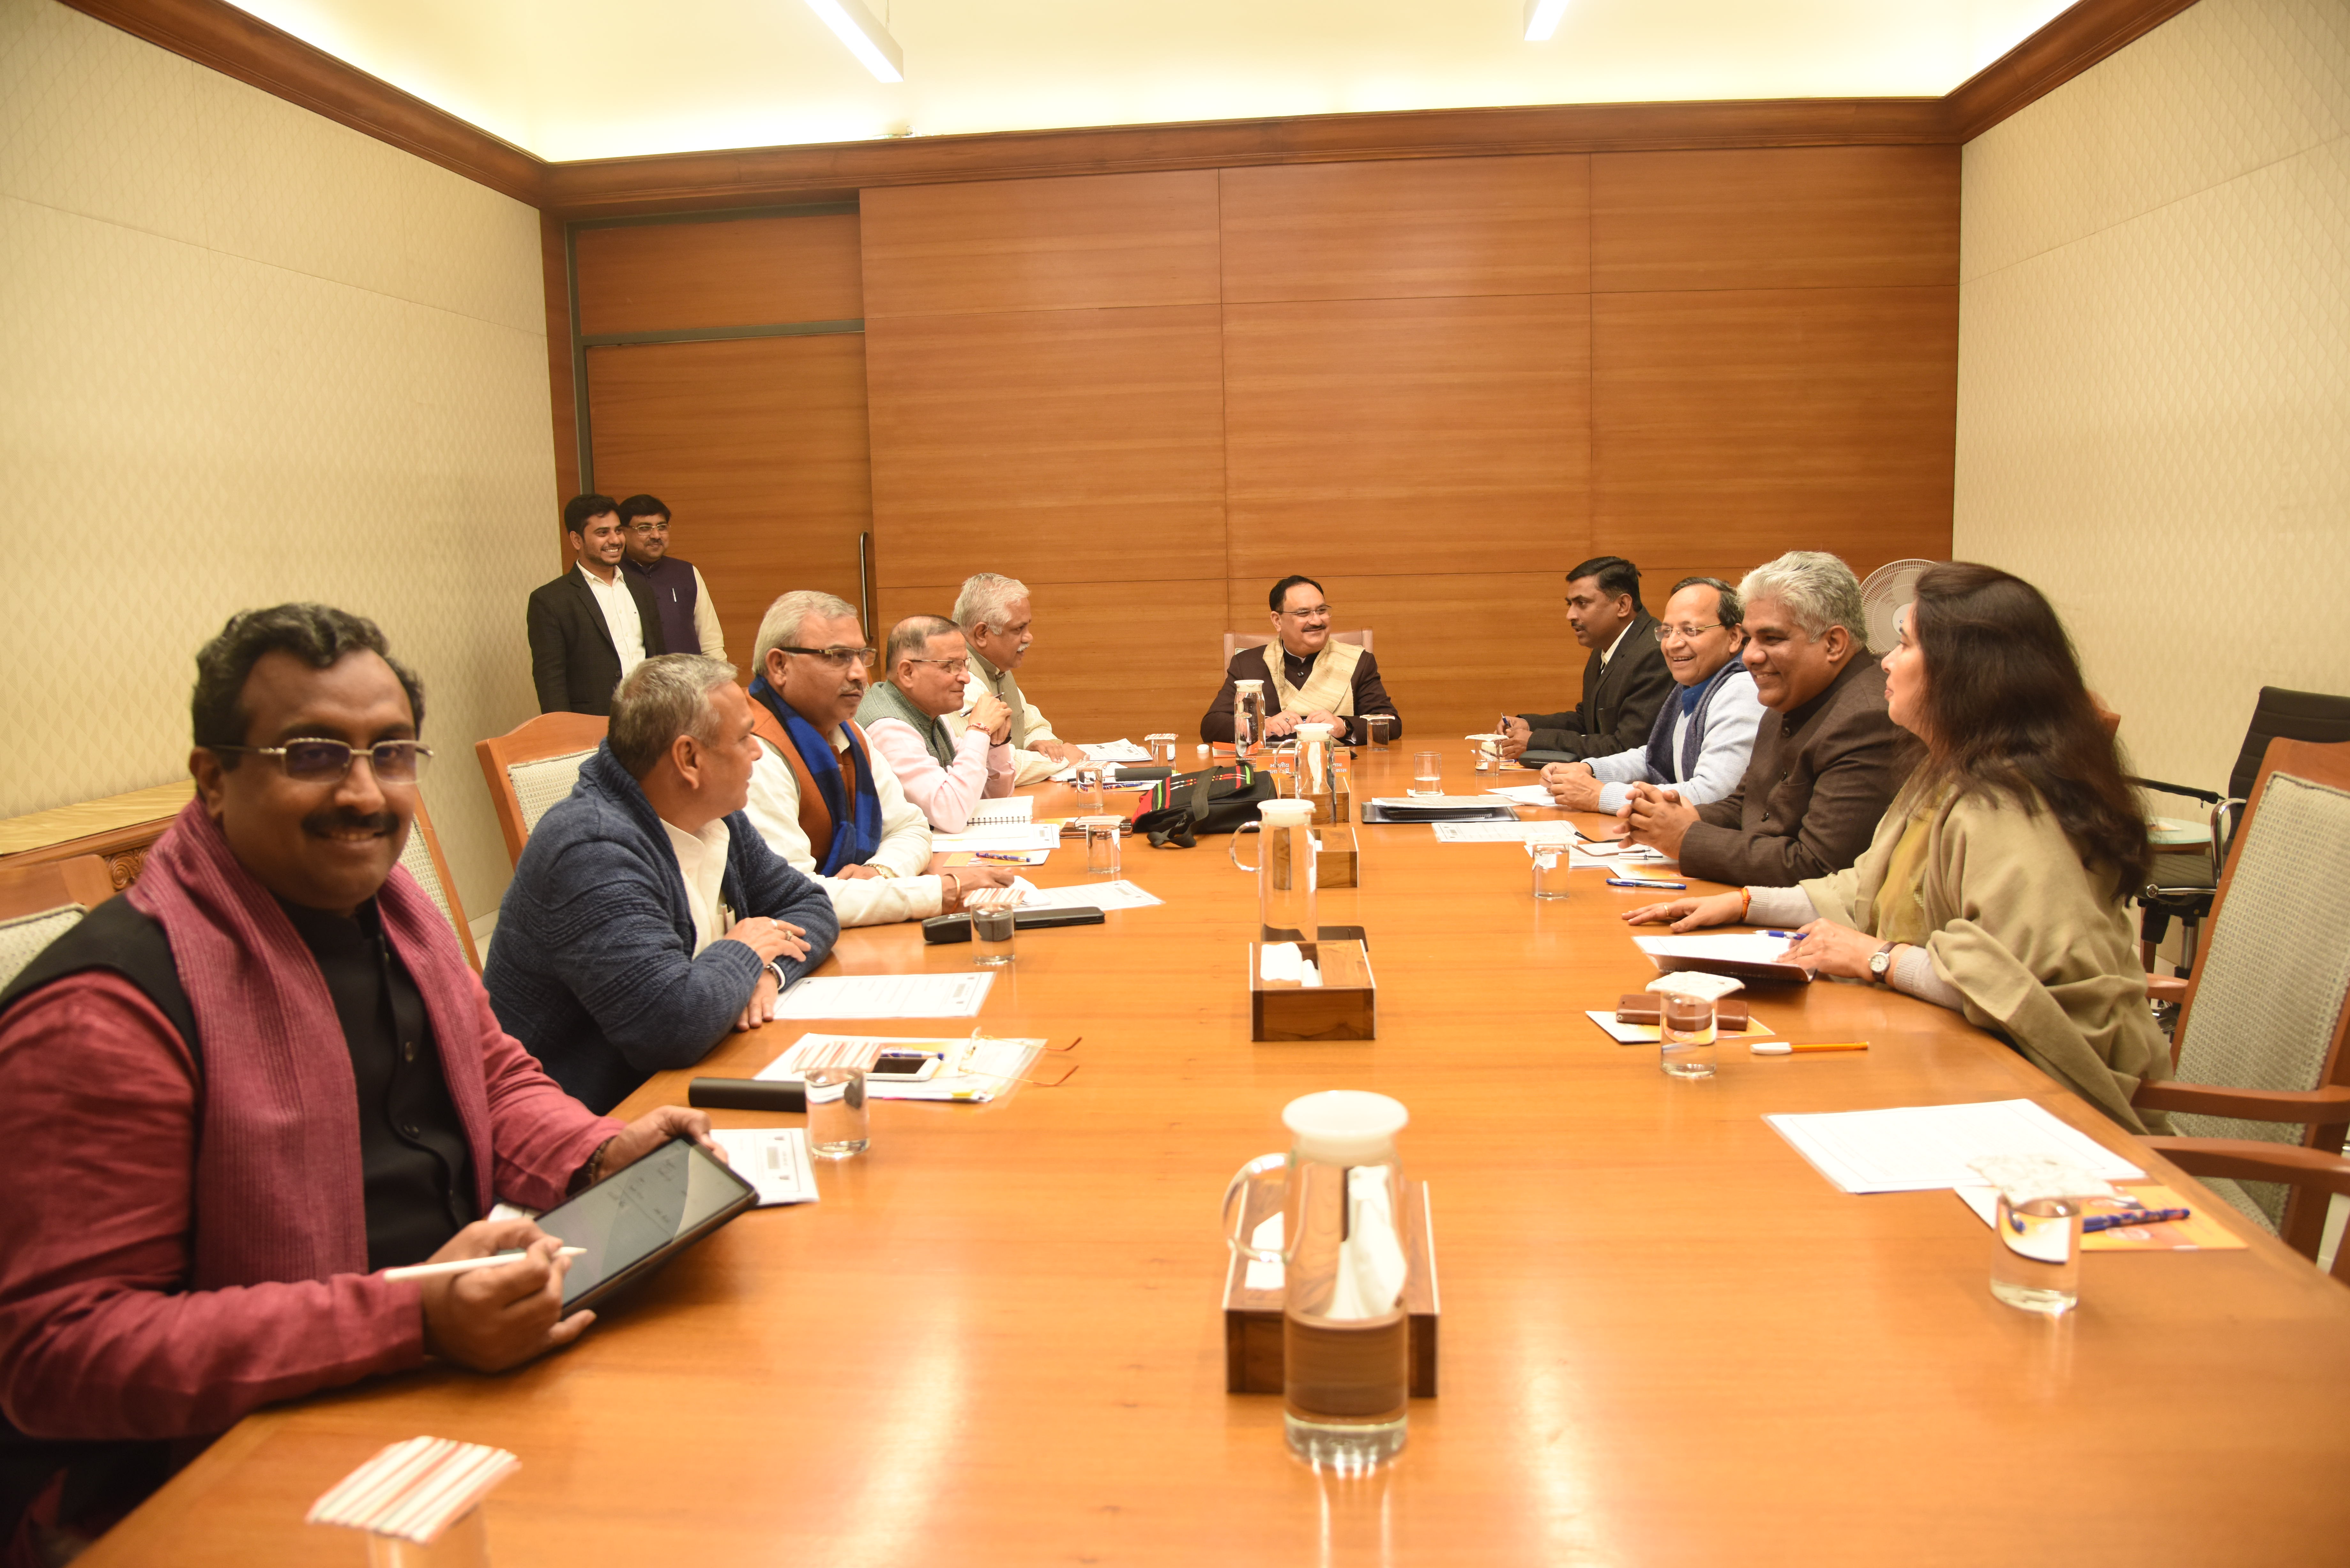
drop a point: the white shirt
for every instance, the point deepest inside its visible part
(619, 607)
(1609, 657)
(902, 892)
(1729, 727)
(702, 860)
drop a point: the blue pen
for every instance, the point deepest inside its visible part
(1645, 882)
(2096, 1222)
(1789, 936)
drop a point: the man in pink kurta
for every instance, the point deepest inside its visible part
(211, 1150)
(944, 774)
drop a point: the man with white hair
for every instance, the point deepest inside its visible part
(821, 796)
(1827, 757)
(995, 614)
(943, 773)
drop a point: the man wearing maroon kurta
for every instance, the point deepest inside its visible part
(235, 1096)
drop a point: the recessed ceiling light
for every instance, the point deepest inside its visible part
(867, 39)
(1541, 18)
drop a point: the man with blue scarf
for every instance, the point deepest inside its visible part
(1700, 744)
(818, 796)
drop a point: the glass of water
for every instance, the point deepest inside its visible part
(1550, 858)
(991, 924)
(2035, 1262)
(837, 1127)
(1427, 773)
(1101, 844)
(1685, 1035)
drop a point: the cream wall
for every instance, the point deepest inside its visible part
(247, 356)
(2154, 368)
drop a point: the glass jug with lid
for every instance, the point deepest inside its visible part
(1328, 1217)
(1285, 870)
(1313, 752)
(1248, 716)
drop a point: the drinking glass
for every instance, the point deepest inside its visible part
(1685, 1036)
(837, 1127)
(992, 925)
(1162, 749)
(1101, 844)
(1379, 728)
(1550, 858)
(1486, 758)
(1089, 783)
(2035, 1262)
(1427, 773)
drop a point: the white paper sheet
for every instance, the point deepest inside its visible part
(1004, 811)
(1103, 896)
(1118, 751)
(1499, 832)
(1610, 855)
(1436, 802)
(887, 996)
(1011, 836)
(1763, 957)
(1524, 795)
(773, 1160)
(976, 1070)
(1918, 1148)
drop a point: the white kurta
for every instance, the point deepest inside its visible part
(902, 891)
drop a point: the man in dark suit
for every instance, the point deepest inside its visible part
(1625, 681)
(595, 623)
(1828, 758)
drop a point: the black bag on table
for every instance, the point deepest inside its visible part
(1213, 800)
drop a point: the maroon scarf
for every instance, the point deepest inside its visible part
(279, 1194)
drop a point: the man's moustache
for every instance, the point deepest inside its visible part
(327, 822)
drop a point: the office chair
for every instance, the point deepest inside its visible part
(41, 902)
(533, 765)
(423, 858)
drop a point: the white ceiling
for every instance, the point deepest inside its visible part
(603, 78)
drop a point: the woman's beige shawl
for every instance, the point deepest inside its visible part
(2041, 954)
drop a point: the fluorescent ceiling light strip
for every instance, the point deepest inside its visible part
(1541, 18)
(866, 38)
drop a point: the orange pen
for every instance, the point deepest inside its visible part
(1778, 1049)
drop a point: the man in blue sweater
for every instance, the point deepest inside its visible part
(647, 916)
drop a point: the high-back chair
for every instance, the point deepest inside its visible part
(2259, 1049)
(2222, 1163)
(41, 902)
(423, 860)
(533, 765)
(1236, 640)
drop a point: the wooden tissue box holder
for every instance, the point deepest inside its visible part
(1253, 1360)
(1338, 806)
(1344, 1006)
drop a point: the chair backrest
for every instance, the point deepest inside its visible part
(1236, 640)
(423, 857)
(41, 902)
(533, 765)
(2269, 1006)
(2289, 715)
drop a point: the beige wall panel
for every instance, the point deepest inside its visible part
(1415, 227)
(1795, 217)
(2157, 376)
(1160, 672)
(1403, 435)
(747, 272)
(1041, 244)
(758, 447)
(1455, 649)
(1732, 425)
(1062, 446)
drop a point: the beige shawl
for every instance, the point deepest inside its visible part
(1329, 686)
(2042, 954)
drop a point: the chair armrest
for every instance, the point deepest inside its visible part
(2328, 1106)
(2205, 795)
(2251, 1159)
(2165, 988)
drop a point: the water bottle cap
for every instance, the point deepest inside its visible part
(1348, 1126)
(1288, 812)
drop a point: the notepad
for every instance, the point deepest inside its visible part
(886, 996)
(1003, 811)
(976, 1070)
(1917, 1148)
(1748, 955)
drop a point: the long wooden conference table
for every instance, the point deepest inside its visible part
(1666, 1339)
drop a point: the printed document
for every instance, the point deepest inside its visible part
(1007, 836)
(1917, 1148)
(887, 996)
(975, 1070)
(1103, 896)
(773, 1160)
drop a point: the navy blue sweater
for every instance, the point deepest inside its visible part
(592, 964)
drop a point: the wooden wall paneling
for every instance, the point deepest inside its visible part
(758, 445)
(1041, 244)
(1402, 228)
(1057, 446)
(645, 277)
(1812, 217)
(1455, 649)
(1731, 425)
(2077, 38)
(1110, 658)
(1407, 435)
(554, 270)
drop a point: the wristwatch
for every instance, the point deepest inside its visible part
(1880, 963)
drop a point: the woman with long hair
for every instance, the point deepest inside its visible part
(1995, 883)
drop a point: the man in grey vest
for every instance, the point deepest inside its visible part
(995, 614)
(944, 774)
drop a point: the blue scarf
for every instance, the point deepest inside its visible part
(855, 835)
(1696, 701)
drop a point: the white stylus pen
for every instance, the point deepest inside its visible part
(467, 1265)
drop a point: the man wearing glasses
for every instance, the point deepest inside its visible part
(943, 773)
(820, 797)
(233, 1096)
(689, 620)
(595, 623)
(998, 625)
(1309, 677)
(1699, 743)
(1625, 681)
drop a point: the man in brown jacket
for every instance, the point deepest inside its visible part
(1827, 758)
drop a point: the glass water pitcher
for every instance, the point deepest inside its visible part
(1284, 871)
(1314, 754)
(1248, 716)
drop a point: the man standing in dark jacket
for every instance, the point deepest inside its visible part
(1625, 681)
(647, 916)
(595, 623)
(689, 620)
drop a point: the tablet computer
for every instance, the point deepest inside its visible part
(638, 1218)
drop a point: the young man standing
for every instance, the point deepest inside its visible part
(689, 620)
(595, 623)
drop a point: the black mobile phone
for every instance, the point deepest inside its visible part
(899, 1064)
(641, 1216)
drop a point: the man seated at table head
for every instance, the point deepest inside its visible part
(1700, 742)
(1828, 758)
(646, 917)
(904, 715)
(1310, 677)
(819, 795)
(232, 1096)
(998, 628)
(1625, 680)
